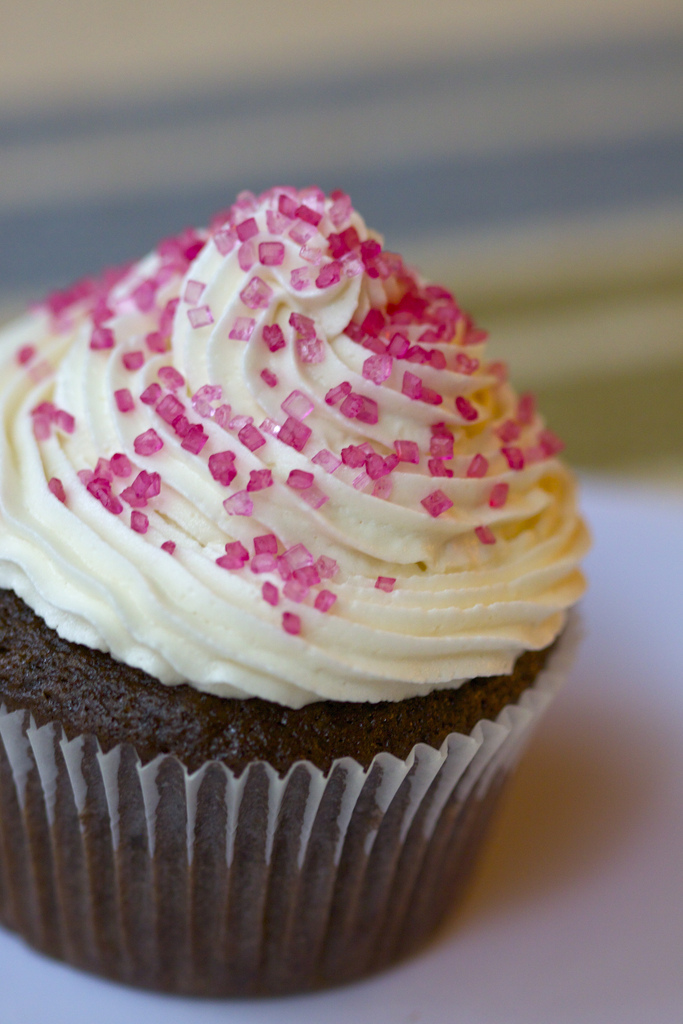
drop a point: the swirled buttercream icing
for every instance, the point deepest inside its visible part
(270, 460)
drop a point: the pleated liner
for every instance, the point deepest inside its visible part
(211, 884)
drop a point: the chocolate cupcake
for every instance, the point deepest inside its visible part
(285, 563)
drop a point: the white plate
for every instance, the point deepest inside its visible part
(576, 915)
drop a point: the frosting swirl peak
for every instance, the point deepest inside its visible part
(269, 460)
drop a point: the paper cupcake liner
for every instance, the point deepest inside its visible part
(212, 884)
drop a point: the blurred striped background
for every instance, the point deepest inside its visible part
(528, 154)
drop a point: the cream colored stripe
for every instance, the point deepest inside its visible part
(77, 50)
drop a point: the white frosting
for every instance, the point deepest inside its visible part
(459, 608)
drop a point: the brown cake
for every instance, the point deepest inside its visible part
(286, 568)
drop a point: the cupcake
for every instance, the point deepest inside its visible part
(287, 567)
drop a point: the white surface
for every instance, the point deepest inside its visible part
(576, 912)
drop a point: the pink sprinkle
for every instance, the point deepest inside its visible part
(250, 437)
(485, 534)
(243, 328)
(257, 294)
(223, 416)
(103, 470)
(385, 583)
(326, 567)
(300, 278)
(463, 364)
(269, 377)
(85, 476)
(287, 206)
(195, 439)
(373, 322)
(139, 522)
(329, 275)
(498, 495)
(151, 394)
(378, 467)
(430, 396)
(181, 426)
(298, 405)
(377, 368)
(550, 443)
(271, 254)
(24, 355)
(65, 421)
(246, 256)
(259, 479)
(168, 546)
(239, 504)
(273, 337)
(360, 407)
(193, 292)
(312, 254)
(514, 456)
(294, 433)
(133, 360)
(200, 316)
(147, 485)
(361, 481)
(225, 240)
(101, 489)
(269, 426)
(407, 451)
(148, 443)
(247, 229)
(266, 544)
(235, 557)
(120, 465)
(478, 467)
(436, 503)
(338, 392)
(324, 600)
(143, 296)
(299, 480)
(311, 350)
(308, 575)
(54, 485)
(353, 456)
(155, 342)
(170, 378)
(134, 500)
(303, 325)
(306, 214)
(526, 408)
(436, 358)
(466, 409)
(101, 338)
(383, 488)
(437, 468)
(301, 232)
(276, 224)
(169, 408)
(263, 563)
(499, 370)
(326, 460)
(291, 623)
(298, 557)
(412, 386)
(417, 354)
(222, 467)
(270, 593)
(202, 398)
(295, 590)
(398, 346)
(340, 211)
(314, 497)
(441, 447)
(167, 317)
(508, 431)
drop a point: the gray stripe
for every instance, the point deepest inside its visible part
(658, 57)
(51, 247)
